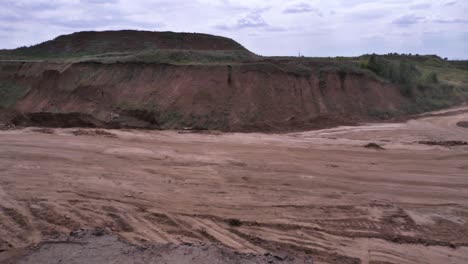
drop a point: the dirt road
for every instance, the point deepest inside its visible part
(319, 193)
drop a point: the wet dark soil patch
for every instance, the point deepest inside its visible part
(463, 124)
(234, 222)
(161, 219)
(96, 132)
(43, 130)
(17, 217)
(64, 120)
(450, 143)
(122, 225)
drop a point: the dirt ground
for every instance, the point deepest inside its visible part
(85, 247)
(317, 193)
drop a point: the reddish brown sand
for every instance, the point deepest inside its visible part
(319, 192)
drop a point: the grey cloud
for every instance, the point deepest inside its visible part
(451, 3)
(452, 21)
(302, 8)
(99, 1)
(222, 27)
(252, 20)
(421, 6)
(11, 18)
(30, 6)
(407, 20)
(464, 37)
(371, 13)
(368, 16)
(6, 29)
(97, 22)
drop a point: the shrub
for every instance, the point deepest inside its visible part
(150, 113)
(431, 78)
(400, 72)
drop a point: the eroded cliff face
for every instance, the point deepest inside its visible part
(238, 97)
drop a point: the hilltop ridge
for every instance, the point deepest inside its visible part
(97, 42)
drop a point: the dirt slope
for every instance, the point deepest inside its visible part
(319, 193)
(237, 97)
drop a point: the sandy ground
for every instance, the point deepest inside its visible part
(318, 193)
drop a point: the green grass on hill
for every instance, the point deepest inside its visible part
(147, 56)
(181, 57)
(429, 81)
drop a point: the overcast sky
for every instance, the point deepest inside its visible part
(275, 27)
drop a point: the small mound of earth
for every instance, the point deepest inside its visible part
(83, 247)
(463, 124)
(450, 143)
(374, 146)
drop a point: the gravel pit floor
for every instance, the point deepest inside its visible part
(317, 194)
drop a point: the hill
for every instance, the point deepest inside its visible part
(168, 80)
(124, 41)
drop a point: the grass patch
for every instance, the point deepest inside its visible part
(10, 93)
(151, 113)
